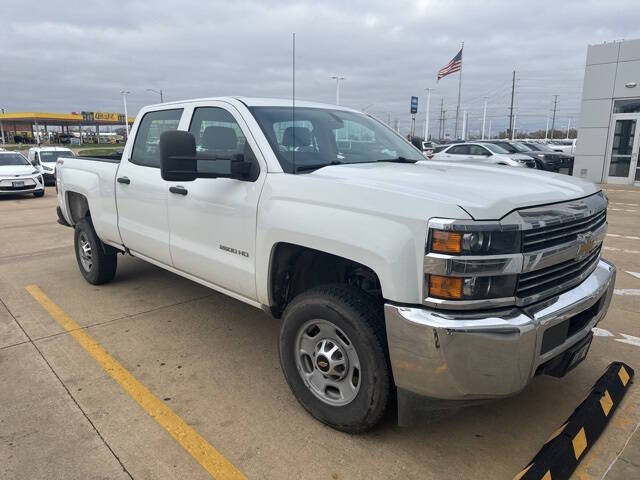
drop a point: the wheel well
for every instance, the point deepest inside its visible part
(78, 206)
(296, 269)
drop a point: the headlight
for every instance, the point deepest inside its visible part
(472, 288)
(474, 243)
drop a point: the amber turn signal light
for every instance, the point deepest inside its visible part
(445, 287)
(445, 242)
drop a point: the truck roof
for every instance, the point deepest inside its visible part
(262, 102)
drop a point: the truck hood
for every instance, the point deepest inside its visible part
(486, 192)
(12, 170)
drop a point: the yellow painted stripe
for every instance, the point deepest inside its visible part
(579, 443)
(606, 403)
(547, 476)
(624, 375)
(521, 474)
(204, 453)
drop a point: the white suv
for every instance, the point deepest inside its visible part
(483, 153)
(45, 158)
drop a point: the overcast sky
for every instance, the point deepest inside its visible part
(78, 55)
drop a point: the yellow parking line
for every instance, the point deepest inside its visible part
(204, 453)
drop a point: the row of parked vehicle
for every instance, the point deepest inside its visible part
(30, 174)
(503, 152)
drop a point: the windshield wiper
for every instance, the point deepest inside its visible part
(397, 160)
(305, 168)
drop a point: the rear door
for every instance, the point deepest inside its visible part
(141, 193)
(213, 220)
(478, 153)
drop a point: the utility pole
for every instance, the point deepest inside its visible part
(484, 115)
(513, 94)
(426, 120)
(568, 128)
(489, 129)
(159, 92)
(553, 121)
(441, 129)
(514, 128)
(337, 78)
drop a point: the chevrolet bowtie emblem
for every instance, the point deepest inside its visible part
(586, 244)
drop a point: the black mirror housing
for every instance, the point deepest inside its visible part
(178, 156)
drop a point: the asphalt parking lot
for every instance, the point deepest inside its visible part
(213, 362)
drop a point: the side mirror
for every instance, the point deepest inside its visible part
(180, 162)
(178, 156)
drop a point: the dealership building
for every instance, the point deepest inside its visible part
(609, 130)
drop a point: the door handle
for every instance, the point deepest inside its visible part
(124, 180)
(179, 189)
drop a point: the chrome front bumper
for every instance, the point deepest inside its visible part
(467, 356)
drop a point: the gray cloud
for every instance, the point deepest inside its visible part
(75, 56)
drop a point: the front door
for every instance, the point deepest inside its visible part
(213, 220)
(623, 149)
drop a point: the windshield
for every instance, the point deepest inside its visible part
(521, 147)
(540, 147)
(495, 148)
(321, 137)
(52, 156)
(12, 159)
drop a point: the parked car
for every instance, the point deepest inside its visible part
(438, 283)
(483, 153)
(45, 158)
(17, 175)
(553, 161)
(564, 146)
(428, 147)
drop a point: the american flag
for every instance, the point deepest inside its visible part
(455, 65)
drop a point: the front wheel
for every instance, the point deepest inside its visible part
(96, 266)
(333, 355)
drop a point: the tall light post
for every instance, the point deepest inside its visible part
(124, 94)
(426, 119)
(484, 115)
(337, 78)
(159, 92)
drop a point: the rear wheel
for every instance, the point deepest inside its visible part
(332, 352)
(96, 266)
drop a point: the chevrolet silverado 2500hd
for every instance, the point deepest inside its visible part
(440, 283)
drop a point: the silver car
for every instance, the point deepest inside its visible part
(483, 153)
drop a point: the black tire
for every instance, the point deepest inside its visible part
(360, 317)
(38, 194)
(102, 266)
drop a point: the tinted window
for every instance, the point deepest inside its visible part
(52, 156)
(496, 148)
(504, 146)
(478, 150)
(219, 138)
(459, 150)
(146, 146)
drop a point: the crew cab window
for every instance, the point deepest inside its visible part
(459, 150)
(146, 150)
(219, 137)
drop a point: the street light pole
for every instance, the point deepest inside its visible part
(484, 115)
(124, 94)
(337, 78)
(426, 120)
(159, 92)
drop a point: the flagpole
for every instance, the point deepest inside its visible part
(459, 89)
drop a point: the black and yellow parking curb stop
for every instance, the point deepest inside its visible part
(560, 455)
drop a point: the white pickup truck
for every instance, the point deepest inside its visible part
(439, 283)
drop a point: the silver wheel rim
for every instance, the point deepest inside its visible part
(327, 362)
(84, 250)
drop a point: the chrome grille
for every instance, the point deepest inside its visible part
(552, 235)
(556, 277)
